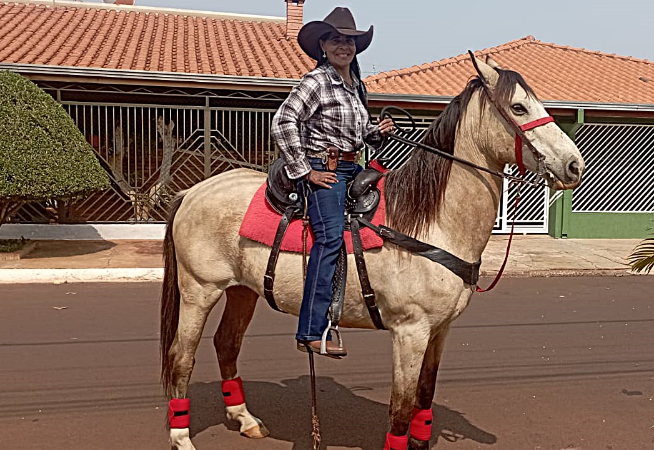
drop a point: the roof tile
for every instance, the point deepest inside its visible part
(555, 72)
(132, 39)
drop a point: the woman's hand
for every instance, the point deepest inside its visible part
(386, 127)
(323, 179)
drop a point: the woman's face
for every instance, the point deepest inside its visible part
(340, 49)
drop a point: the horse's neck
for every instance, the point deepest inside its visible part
(469, 210)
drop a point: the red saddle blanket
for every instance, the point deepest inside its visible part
(261, 221)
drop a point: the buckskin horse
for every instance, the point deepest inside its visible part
(451, 206)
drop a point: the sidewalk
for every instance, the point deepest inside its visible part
(124, 260)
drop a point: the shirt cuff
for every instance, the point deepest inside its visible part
(375, 138)
(298, 169)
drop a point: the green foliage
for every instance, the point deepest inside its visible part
(642, 258)
(43, 154)
(11, 245)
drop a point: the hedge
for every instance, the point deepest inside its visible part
(43, 154)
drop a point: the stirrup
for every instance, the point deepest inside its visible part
(325, 334)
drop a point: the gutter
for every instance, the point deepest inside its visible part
(175, 78)
(552, 104)
(172, 78)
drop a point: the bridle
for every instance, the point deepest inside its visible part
(519, 130)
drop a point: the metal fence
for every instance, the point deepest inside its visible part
(151, 152)
(619, 175)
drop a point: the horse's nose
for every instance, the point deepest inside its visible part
(574, 169)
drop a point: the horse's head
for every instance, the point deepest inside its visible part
(545, 149)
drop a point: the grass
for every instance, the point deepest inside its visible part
(12, 245)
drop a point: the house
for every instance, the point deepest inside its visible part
(170, 97)
(166, 97)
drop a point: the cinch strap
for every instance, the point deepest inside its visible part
(421, 420)
(178, 413)
(396, 442)
(233, 392)
(518, 140)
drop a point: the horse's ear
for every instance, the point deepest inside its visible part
(488, 73)
(491, 62)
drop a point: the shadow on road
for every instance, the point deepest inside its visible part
(346, 419)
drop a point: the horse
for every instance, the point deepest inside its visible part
(448, 205)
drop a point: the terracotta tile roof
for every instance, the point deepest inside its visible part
(138, 38)
(555, 72)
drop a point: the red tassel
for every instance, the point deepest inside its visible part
(396, 442)
(178, 413)
(233, 392)
(421, 420)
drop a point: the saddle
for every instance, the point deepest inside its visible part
(363, 198)
(282, 193)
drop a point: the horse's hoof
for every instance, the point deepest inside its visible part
(415, 444)
(256, 432)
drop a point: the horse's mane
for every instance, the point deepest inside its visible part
(415, 192)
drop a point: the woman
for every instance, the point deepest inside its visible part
(321, 130)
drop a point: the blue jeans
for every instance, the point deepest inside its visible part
(327, 219)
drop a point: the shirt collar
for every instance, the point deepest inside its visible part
(338, 79)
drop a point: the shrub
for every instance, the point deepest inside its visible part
(43, 155)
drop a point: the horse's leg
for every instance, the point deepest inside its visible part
(422, 416)
(196, 302)
(410, 343)
(239, 309)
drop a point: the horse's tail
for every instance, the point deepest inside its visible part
(169, 300)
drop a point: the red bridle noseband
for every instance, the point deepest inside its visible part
(518, 139)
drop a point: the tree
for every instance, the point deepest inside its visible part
(642, 258)
(43, 155)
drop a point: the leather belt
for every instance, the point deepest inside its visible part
(350, 156)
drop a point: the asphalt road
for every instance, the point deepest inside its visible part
(544, 363)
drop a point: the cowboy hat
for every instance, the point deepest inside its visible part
(339, 20)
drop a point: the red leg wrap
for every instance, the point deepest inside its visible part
(233, 392)
(396, 442)
(421, 421)
(178, 413)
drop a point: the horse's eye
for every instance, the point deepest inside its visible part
(519, 109)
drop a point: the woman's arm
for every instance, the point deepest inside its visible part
(300, 105)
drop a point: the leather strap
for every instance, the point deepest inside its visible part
(269, 277)
(350, 156)
(468, 272)
(366, 288)
(338, 287)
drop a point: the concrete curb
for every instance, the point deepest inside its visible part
(117, 275)
(540, 273)
(60, 276)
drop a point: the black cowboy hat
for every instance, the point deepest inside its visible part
(339, 20)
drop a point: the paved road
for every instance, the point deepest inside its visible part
(559, 363)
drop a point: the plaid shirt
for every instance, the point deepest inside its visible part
(320, 112)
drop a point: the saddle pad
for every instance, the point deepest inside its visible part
(261, 221)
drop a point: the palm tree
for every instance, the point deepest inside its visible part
(642, 257)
